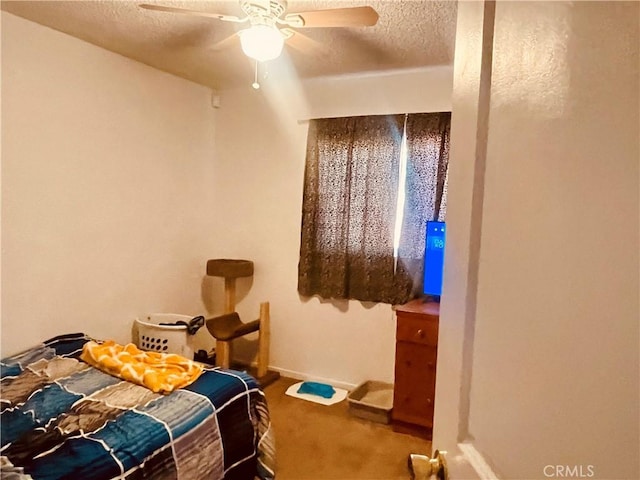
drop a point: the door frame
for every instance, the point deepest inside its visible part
(469, 133)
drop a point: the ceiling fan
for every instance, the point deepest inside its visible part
(269, 24)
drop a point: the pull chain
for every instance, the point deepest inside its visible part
(255, 83)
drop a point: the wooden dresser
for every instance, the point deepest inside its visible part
(415, 368)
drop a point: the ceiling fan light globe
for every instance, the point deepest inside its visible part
(261, 42)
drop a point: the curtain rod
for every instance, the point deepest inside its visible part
(307, 119)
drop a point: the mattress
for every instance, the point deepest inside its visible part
(63, 419)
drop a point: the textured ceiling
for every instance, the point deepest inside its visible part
(409, 34)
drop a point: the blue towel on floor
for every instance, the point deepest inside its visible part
(315, 388)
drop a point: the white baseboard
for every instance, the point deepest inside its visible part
(477, 461)
(310, 378)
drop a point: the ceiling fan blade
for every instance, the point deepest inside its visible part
(301, 42)
(334, 17)
(230, 41)
(194, 13)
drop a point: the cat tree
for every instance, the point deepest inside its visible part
(227, 327)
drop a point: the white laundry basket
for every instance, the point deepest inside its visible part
(165, 338)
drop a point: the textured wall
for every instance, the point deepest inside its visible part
(106, 165)
(555, 372)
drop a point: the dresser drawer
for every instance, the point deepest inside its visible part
(415, 358)
(415, 366)
(417, 330)
(414, 384)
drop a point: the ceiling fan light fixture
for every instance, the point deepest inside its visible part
(262, 42)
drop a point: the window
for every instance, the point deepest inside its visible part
(371, 183)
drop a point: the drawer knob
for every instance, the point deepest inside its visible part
(429, 401)
(420, 333)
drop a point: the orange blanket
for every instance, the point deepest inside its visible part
(160, 372)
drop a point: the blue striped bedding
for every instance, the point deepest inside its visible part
(63, 419)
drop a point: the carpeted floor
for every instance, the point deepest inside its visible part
(326, 442)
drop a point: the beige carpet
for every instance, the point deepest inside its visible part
(326, 442)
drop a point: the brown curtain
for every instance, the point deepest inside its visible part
(425, 193)
(348, 213)
(349, 206)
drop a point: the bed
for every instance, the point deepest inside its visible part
(64, 419)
